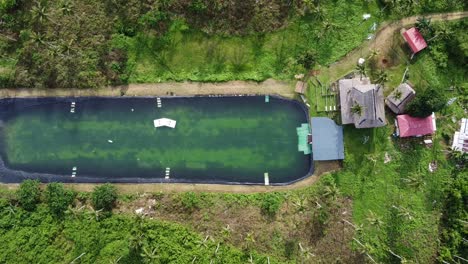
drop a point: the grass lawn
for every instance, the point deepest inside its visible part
(185, 54)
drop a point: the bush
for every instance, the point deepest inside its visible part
(104, 197)
(430, 100)
(190, 200)
(29, 194)
(58, 198)
(271, 203)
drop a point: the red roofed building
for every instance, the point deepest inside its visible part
(408, 126)
(414, 39)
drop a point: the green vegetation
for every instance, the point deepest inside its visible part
(271, 203)
(426, 102)
(234, 228)
(29, 194)
(98, 43)
(104, 197)
(58, 198)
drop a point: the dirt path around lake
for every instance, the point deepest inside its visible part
(382, 43)
(269, 86)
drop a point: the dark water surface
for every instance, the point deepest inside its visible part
(216, 139)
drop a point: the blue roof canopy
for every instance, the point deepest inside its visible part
(327, 139)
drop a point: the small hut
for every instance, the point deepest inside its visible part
(408, 126)
(400, 97)
(415, 40)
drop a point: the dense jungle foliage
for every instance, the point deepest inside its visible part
(49, 227)
(80, 43)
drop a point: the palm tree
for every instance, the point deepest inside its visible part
(414, 181)
(300, 203)
(357, 109)
(403, 212)
(374, 220)
(75, 211)
(37, 38)
(331, 191)
(373, 54)
(305, 253)
(249, 240)
(381, 78)
(249, 243)
(66, 7)
(204, 242)
(149, 256)
(39, 13)
(397, 94)
(361, 69)
(424, 26)
(96, 214)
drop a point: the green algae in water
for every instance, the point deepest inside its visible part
(230, 139)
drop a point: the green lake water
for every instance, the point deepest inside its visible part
(216, 139)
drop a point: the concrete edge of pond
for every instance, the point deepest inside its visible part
(321, 168)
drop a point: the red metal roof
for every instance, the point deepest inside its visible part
(409, 126)
(414, 39)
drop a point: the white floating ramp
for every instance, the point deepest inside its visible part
(164, 122)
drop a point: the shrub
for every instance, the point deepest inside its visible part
(428, 101)
(4, 203)
(271, 203)
(29, 194)
(190, 200)
(58, 198)
(104, 197)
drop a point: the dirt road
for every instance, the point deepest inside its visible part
(269, 86)
(382, 42)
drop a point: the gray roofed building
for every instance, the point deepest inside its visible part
(400, 97)
(327, 139)
(362, 103)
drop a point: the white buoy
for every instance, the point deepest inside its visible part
(110, 141)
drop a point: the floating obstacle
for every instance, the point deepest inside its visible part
(266, 178)
(168, 172)
(72, 107)
(164, 122)
(159, 103)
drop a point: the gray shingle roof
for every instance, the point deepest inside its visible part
(397, 105)
(327, 139)
(369, 96)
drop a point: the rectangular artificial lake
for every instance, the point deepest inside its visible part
(94, 139)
